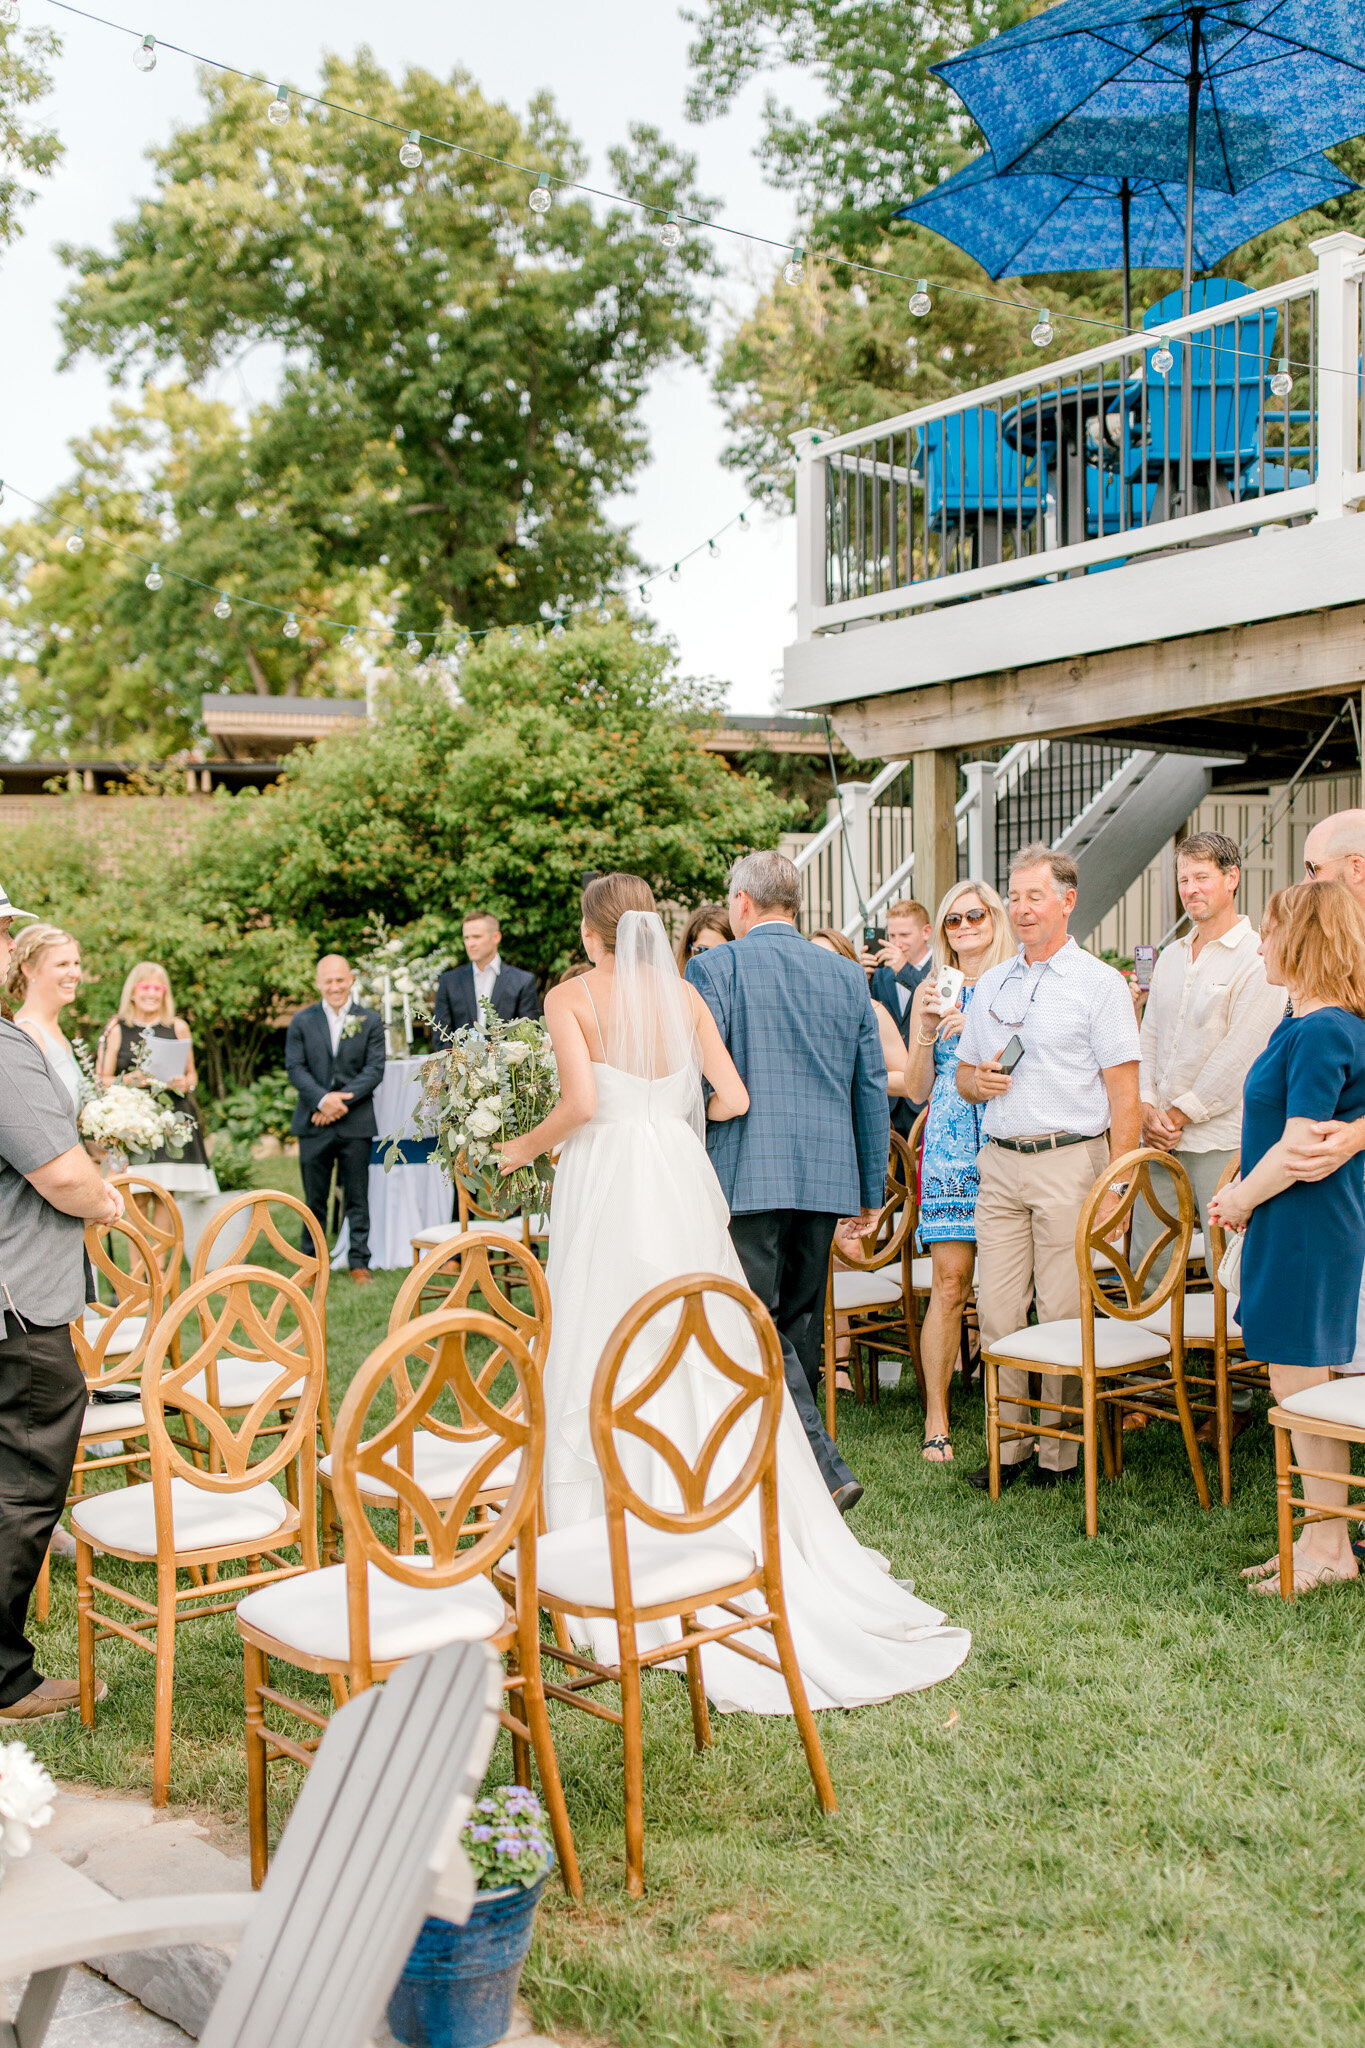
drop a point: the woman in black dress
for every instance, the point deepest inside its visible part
(147, 1005)
(1305, 1240)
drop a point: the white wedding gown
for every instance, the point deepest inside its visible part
(636, 1202)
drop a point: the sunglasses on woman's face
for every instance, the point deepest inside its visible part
(960, 917)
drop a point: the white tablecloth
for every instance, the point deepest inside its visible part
(412, 1196)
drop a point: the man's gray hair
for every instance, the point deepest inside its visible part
(769, 879)
(1065, 874)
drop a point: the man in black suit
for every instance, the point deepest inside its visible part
(484, 977)
(334, 1056)
(897, 971)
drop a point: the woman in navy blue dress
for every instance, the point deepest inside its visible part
(1305, 1240)
(971, 933)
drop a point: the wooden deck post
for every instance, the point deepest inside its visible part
(934, 825)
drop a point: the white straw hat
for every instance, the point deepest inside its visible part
(8, 909)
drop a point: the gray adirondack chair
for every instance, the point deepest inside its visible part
(372, 1847)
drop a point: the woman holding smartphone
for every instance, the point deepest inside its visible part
(971, 933)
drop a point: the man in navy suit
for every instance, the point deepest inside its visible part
(484, 978)
(798, 1024)
(334, 1055)
(901, 965)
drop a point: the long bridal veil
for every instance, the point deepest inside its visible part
(651, 1032)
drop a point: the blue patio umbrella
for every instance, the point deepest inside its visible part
(1024, 222)
(1221, 92)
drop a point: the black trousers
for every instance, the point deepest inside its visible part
(352, 1156)
(42, 1406)
(785, 1256)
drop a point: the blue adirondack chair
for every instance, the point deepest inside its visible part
(1228, 368)
(976, 488)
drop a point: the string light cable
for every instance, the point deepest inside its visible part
(671, 221)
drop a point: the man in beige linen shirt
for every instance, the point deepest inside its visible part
(1208, 1018)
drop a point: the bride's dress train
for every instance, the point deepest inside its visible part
(637, 1202)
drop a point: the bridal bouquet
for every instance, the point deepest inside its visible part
(493, 1082)
(26, 1796)
(132, 1122)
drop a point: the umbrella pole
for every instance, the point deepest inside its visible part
(1125, 200)
(1186, 378)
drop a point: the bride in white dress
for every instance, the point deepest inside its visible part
(636, 1201)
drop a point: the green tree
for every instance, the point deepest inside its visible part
(26, 152)
(100, 664)
(562, 755)
(463, 377)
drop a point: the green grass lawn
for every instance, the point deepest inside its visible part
(1134, 1817)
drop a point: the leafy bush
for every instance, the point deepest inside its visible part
(233, 1166)
(261, 1110)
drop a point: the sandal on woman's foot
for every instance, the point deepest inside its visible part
(1269, 1570)
(1307, 1578)
(936, 1450)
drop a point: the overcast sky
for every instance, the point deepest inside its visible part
(607, 62)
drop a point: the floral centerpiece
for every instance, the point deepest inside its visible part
(460, 1984)
(492, 1083)
(398, 977)
(26, 1796)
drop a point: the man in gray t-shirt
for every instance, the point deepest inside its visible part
(49, 1188)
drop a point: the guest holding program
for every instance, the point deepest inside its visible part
(971, 934)
(147, 1005)
(334, 1056)
(1044, 1124)
(484, 978)
(43, 979)
(1304, 1249)
(49, 1190)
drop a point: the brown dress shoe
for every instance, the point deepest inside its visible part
(362, 1276)
(49, 1696)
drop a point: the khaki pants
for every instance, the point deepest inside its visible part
(1027, 1208)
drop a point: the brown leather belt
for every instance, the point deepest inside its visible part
(1054, 1143)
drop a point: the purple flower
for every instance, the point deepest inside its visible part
(480, 1834)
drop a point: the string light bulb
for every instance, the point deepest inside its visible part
(223, 609)
(670, 234)
(1282, 383)
(348, 637)
(462, 646)
(413, 646)
(542, 199)
(557, 630)
(1041, 332)
(290, 628)
(278, 111)
(154, 578)
(713, 550)
(9, 13)
(675, 574)
(75, 544)
(603, 616)
(1162, 360)
(795, 270)
(514, 637)
(920, 301)
(410, 155)
(144, 56)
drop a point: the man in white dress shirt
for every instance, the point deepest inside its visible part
(334, 1056)
(1045, 1127)
(484, 978)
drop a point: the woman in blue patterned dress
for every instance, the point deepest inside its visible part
(971, 933)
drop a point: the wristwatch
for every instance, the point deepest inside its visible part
(1118, 1187)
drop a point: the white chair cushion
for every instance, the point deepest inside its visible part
(241, 1382)
(438, 1466)
(1335, 1401)
(126, 1337)
(308, 1613)
(575, 1564)
(434, 1234)
(113, 1418)
(1196, 1246)
(867, 1290)
(1059, 1344)
(922, 1273)
(1198, 1323)
(125, 1519)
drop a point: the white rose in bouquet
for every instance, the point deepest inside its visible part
(26, 1796)
(493, 1083)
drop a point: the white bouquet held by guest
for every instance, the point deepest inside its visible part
(488, 1086)
(26, 1796)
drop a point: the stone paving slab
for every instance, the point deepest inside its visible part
(95, 2014)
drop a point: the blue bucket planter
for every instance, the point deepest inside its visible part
(459, 1984)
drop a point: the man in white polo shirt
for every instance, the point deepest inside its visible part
(1045, 1127)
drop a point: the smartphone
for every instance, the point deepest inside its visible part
(948, 986)
(873, 938)
(1144, 960)
(1011, 1056)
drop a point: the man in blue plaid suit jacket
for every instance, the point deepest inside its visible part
(798, 1024)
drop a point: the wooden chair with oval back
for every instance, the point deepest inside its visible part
(253, 1227)
(157, 1214)
(870, 1295)
(194, 1517)
(1121, 1361)
(641, 1563)
(1209, 1326)
(355, 1622)
(503, 1280)
(110, 1342)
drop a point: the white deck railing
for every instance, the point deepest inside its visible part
(1094, 459)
